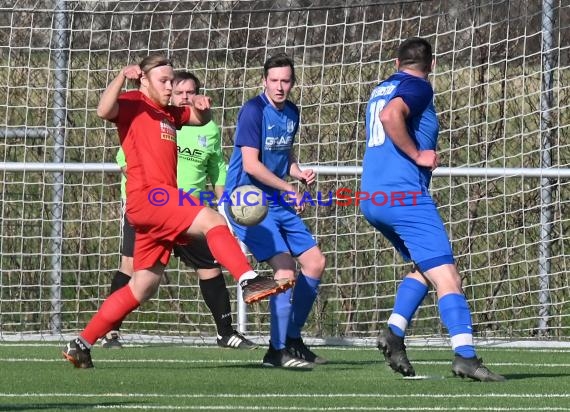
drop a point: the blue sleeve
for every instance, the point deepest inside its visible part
(416, 93)
(249, 126)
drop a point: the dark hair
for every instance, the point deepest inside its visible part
(279, 60)
(416, 53)
(182, 76)
(152, 61)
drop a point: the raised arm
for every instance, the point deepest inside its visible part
(255, 168)
(200, 113)
(108, 107)
(393, 118)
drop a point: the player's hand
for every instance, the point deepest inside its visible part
(427, 158)
(132, 72)
(308, 176)
(295, 198)
(201, 102)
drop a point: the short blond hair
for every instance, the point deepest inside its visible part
(153, 61)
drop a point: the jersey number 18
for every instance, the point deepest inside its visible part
(376, 131)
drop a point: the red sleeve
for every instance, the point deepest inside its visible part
(181, 115)
(127, 109)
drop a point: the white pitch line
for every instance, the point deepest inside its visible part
(304, 408)
(359, 348)
(238, 361)
(287, 395)
(535, 365)
(178, 361)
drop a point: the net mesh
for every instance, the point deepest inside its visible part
(489, 95)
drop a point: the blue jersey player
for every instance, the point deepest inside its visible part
(263, 157)
(401, 139)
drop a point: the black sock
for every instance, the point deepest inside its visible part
(217, 298)
(119, 280)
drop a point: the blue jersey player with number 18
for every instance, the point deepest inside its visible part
(401, 139)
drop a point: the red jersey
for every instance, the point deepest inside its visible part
(148, 137)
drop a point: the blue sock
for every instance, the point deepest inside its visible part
(280, 307)
(456, 316)
(304, 295)
(409, 297)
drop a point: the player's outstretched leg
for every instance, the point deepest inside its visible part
(78, 353)
(226, 252)
(261, 287)
(394, 350)
(113, 310)
(473, 368)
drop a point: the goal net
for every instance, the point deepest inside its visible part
(503, 102)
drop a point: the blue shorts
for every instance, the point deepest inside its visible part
(416, 231)
(282, 231)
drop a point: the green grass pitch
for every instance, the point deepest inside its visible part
(34, 377)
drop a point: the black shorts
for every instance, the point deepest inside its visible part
(196, 254)
(128, 241)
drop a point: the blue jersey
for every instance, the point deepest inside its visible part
(272, 132)
(385, 167)
(260, 125)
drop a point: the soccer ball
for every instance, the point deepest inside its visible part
(248, 206)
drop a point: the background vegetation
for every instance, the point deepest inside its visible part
(488, 94)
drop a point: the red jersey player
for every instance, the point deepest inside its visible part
(161, 216)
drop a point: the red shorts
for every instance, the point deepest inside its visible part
(160, 222)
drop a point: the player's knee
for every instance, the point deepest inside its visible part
(212, 218)
(218, 219)
(146, 293)
(445, 279)
(453, 279)
(144, 284)
(205, 220)
(315, 266)
(451, 285)
(284, 273)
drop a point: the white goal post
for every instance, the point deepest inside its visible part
(502, 93)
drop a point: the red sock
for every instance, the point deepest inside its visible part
(115, 308)
(226, 251)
